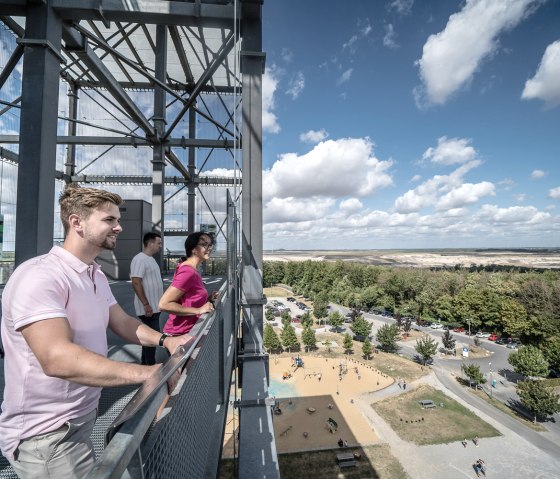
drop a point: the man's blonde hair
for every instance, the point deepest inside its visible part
(82, 201)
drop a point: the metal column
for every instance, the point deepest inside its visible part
(158, 161)
(70, 164)
(191, 187)
(38, 125)
(257, 447)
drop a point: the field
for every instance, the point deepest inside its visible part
(530, 257)
(448, 422)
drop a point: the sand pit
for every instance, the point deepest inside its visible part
(307, 402)
(313, 394)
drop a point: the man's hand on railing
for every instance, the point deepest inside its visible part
(173, 380)
(173, 342)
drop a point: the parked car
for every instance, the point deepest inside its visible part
(421, 322)
(436, 326)
(291, 300)
(459, 330)
(511, 345)
(501, 341)
(482, 334)
(493, 337)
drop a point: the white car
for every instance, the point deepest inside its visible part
(482, 334)
(436, 326)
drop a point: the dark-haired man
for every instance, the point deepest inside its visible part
(148, 288)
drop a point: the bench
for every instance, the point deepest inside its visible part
(346, 460)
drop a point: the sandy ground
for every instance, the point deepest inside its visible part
(448, 258)
(305, 399)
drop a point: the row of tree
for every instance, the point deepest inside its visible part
(517, 303)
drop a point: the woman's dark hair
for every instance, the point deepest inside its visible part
(192, 241)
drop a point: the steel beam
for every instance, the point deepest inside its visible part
(132, 141)
(37, 146)
(191, 187)
(257, 447)
(203, 80)
(209, 14)
(11, 64)
(158, 163)
(77, 44)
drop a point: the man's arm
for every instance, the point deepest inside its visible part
(51, 342)
(139, 291)
(133, 331)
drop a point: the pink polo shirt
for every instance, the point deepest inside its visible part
(55, 285)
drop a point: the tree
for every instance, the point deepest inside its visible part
(306, 319)
(551, 350)
(387, 337)
(320, 306)
(367, 348)
(426, 347)
(308, 338)
(361, 327)
(448, 341)
(288, 337)
(270, 340)
(327, 343)
(529, 361)
(336, 319)
(406, 325)
(347, 343)
(472, 371)
(538, 398)
(285, 317)
(269, 314)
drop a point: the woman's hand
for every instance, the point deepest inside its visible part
(207, 308)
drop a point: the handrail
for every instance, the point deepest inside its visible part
(126, 433)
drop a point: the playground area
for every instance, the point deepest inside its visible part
(322, 411)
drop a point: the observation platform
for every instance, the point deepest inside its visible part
(113, 400)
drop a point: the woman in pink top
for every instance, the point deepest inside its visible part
(186, 299)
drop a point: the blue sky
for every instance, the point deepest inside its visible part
(411, 124)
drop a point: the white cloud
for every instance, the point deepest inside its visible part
(538, 174)
(313, 136)
(269, 119)
(545, 85)
(349, 43)
(444, 192)
(281, 210)
(333, 169)
(451, 58)
(403, 7)
(287, 55)
(513, 214)
(415, 178)
(351, 205)
(389, 37)
(345, 76)
(465, 194)
(450, 151)
(520, 197)
(554, 193)
(297, 84)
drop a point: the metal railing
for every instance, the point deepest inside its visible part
(185, 438)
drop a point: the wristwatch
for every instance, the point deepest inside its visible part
(162, 338)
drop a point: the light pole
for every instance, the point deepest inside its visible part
(469, 323)
(491, 383)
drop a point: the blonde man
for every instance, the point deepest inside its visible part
(55, 311)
